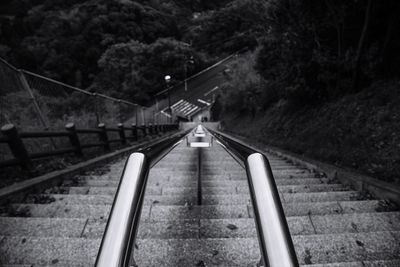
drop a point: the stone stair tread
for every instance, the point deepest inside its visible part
(97, 183)
(334, 207)
(382, 263)
(346, 247)
(55, 210)
(320, 196)
(70, 199)
(197, 252)
(245, 228)
(229, 252)
(184, 182)
(356, 222)
(244, 182)
(244, 251)
(379, 263)
(242, 198)
(48, 250)
(231, 189)
(168, 212)
(165, 229)
(56, 227)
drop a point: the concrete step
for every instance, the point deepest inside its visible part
(239, 176)
(244, 251)
(379, 263)
(245, 228)
(197, 252)
(347, 247)
(48, 251)
(92, 183)
(174, 229)
(71, 199)
(189, 199)
(55, 210)
(371, 247)
(320, 196)
(171, 212)
(218, 182)
(311, 188)
(167, 190)
(306, 225)
(356, 222)
(285, 197)
(164, 212)
(86, 190)
(41, 227)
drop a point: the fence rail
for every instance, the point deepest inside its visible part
(34, 103)
(22, 157)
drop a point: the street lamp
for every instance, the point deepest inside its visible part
(167, 79)
(190, 61)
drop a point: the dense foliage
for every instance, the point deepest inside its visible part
(314, 51)
(320, 50)
(137, 70)
(310, 51)
(74, 41)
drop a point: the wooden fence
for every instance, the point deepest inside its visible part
(14, 139)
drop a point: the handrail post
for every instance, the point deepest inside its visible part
(122, 133)
(74, 138)
(276, 245)
(103, 136)
(134, 132)
(16, 145)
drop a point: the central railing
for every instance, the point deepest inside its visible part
(119, 237)
(276, 245)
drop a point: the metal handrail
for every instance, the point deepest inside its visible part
(120, 234)
(276, 245)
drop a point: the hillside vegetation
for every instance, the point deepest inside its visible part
(121, 47)
(359, 131)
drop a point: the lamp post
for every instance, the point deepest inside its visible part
(167, 80)
(190, 61)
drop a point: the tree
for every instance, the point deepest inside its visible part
(136, 70)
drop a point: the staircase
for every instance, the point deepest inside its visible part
(330, 224)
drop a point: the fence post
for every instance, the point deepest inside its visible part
(122, 133)
(103, 136)
(144, 130)
(155, 128)
(16, 145)
(134, 132)
(119, 111)
(96, 108)
(74, 139)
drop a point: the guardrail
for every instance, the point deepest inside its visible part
(14, 139)
(120, 234)
(276, 245)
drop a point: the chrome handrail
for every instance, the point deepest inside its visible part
(276, 245)
(120, 233)
(124, 217)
